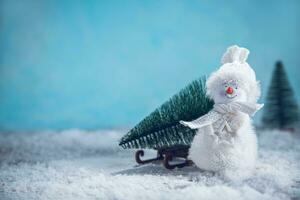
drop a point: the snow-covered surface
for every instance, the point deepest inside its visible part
(78, 164)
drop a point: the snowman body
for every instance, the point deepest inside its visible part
(225, 140)
(225, 150)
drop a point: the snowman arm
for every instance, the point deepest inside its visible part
(202, 121)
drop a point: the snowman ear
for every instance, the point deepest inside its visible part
(235, 54)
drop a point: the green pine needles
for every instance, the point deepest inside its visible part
(162, 129)
(281, 109)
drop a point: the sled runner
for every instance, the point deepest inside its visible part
(162, 131)
(166, 155)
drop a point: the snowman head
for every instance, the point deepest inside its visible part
(235, 80)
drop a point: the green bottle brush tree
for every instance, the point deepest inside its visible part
(161, 128)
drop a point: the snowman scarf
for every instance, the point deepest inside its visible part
(218, 114)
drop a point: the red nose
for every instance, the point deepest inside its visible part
(229, 90)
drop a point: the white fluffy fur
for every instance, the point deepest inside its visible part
(236, 68)
(207, 152)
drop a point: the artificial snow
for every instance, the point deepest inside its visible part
(77, 164)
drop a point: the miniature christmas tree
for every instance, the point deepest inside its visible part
(161, 128)
(281, 110)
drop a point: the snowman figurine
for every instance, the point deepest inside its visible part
(225, 141)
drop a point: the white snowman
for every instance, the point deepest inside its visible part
(225, 141)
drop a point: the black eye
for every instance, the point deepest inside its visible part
(236, 88)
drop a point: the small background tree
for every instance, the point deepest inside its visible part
(281, 109)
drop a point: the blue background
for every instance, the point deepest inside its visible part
(104, 64)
